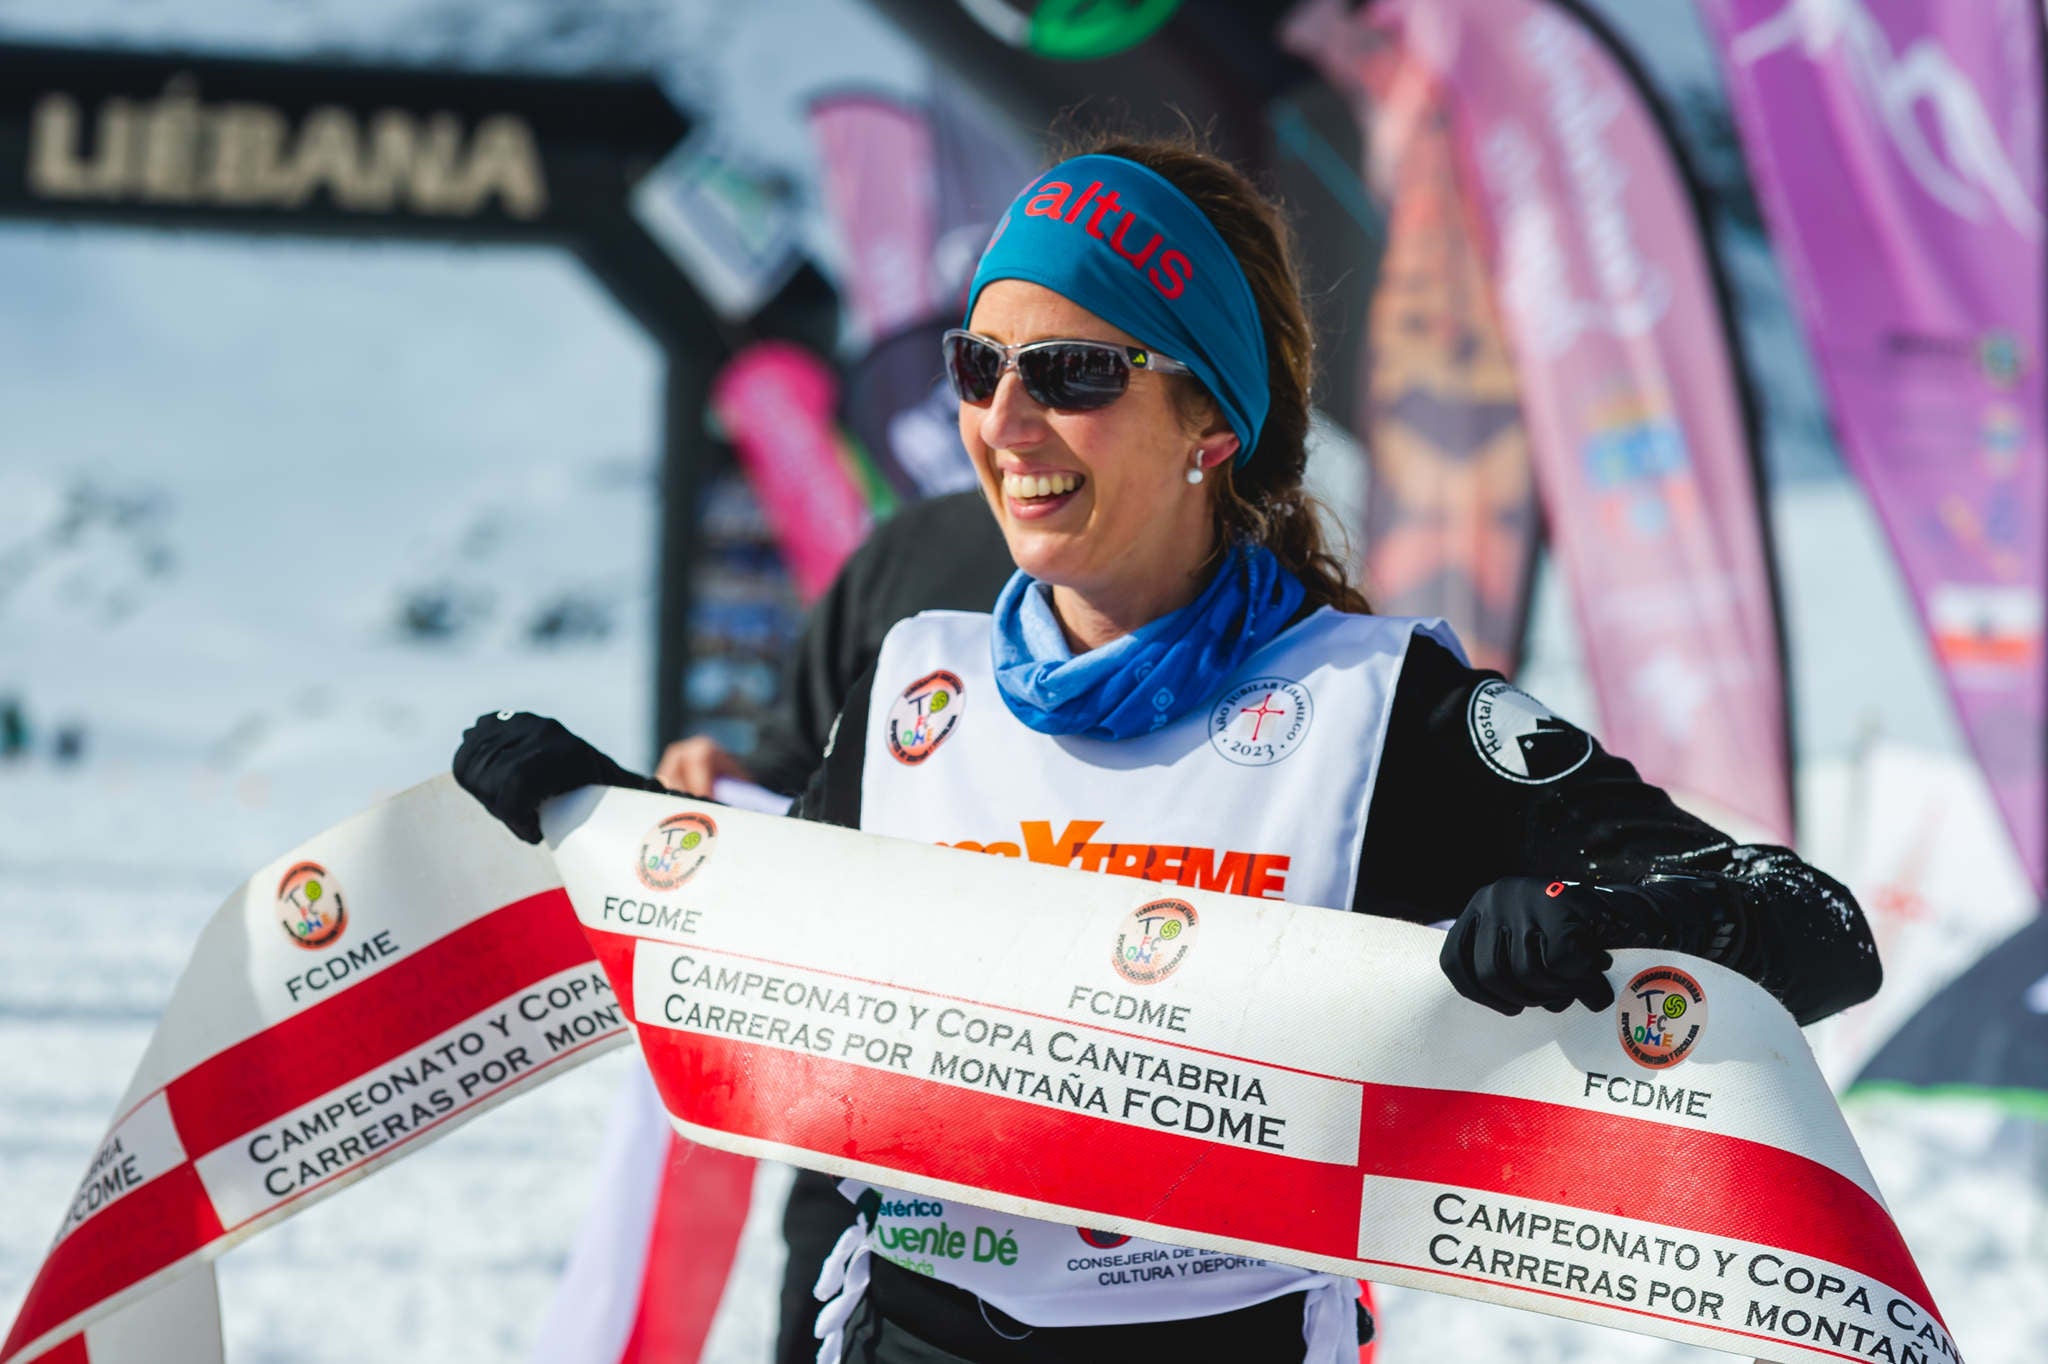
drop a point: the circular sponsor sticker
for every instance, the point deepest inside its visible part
(1257, 723)
(922, 717)
(1153, 940)
(674, 849)
(1662, 1013)
(1520, 738)
(309, 906)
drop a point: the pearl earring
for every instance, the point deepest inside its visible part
(1195, 474)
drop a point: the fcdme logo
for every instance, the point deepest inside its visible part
(1153, 940)
(674, 849)
(309, 906)
(1661, 1013)
(922, 717)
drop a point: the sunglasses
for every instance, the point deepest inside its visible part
(1068, 376)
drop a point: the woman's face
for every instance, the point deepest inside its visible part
(1130, 531)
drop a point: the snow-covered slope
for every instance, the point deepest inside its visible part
(216, 554)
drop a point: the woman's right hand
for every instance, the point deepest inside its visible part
(512, 762)
(691, 767)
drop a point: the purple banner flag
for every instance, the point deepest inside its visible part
(980, 164)
(1637, 428)
(1896, 147)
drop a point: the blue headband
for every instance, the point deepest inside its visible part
(1120, 240)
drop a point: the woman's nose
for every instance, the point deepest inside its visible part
(1013, 420)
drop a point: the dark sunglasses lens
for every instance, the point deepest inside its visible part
(1074, 378)
(973, 366)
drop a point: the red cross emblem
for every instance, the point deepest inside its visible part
(1264, 709)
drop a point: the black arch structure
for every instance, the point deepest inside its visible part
(332, 150)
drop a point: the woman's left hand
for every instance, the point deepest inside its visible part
(1524, 942)
(513, 762)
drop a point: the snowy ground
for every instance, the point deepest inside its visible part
(211, 578)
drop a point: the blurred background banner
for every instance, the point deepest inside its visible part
(1917, 834)
(1451, 527)
(981, 166)
(911, 192)
(878, 158)
(1897, 150)
(1636, 415)
(900, 408)
(776, 403)
(732, 229)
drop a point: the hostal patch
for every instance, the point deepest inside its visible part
(1520, 739)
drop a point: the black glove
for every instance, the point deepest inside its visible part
(1523, 941)
(511, 763)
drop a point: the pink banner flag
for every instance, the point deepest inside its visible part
(776, 401)
(878, 163)
(1896, 147)
(1636, 423)
(1451, 519)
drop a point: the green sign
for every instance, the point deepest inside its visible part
(1073, 30)
(1082, 30)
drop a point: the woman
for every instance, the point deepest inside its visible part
(1189, 691)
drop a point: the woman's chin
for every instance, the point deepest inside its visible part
(1046, 557)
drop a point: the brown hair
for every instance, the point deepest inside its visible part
(1261, 500)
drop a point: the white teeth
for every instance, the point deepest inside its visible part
(1025, 487)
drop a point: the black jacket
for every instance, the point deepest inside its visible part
(943, 555)
(1444, 821)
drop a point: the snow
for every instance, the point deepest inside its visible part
(277, 519)
(210, 576)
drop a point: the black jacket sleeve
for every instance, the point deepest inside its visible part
(944, 554)
(1446, 820)
(832, 795)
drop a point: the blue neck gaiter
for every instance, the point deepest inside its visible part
(1150, 677)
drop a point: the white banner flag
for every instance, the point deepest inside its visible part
(369, 991)
(1209, 1071)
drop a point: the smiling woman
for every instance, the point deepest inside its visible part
(1180, 679)
(1213, 285)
